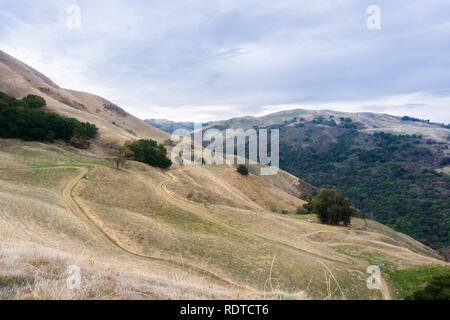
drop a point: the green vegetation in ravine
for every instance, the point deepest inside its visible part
(391, 178)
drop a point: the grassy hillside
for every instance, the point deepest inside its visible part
(389, 177)
(398, 179)
(138, 233)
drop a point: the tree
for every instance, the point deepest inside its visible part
(332, 208)
(148, 151)
(119, 153)
(242, 169)
(34, 101)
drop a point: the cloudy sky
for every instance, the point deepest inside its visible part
(209, 60)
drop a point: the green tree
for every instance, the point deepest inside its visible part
(332, 208)
(242, 169)
(34, 101)
(148, 151)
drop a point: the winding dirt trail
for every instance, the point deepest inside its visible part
(201, 212)
(111, 244)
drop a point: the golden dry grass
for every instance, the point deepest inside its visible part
(190, 232)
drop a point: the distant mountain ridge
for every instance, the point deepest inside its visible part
(369, 122)
(170, 126)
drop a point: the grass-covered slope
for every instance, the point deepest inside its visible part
(139, 233)
(398, 179)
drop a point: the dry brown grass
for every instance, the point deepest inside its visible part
(31, 272)
(160, 237)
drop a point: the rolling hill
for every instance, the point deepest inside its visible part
(187, 232)
(18, 80)
(368, 122)
(395, 169)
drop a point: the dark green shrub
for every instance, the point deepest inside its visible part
(242, 169)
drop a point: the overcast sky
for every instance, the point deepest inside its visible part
(210, 60)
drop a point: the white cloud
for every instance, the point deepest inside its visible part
(161, 58)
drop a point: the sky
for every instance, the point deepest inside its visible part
(195, 60)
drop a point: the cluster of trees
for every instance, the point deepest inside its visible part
(34, 101)
(437, 289)
(150, 152)
(24, 119)
(146, 151)
(330, 207)
(390, 178)
(408, 118)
